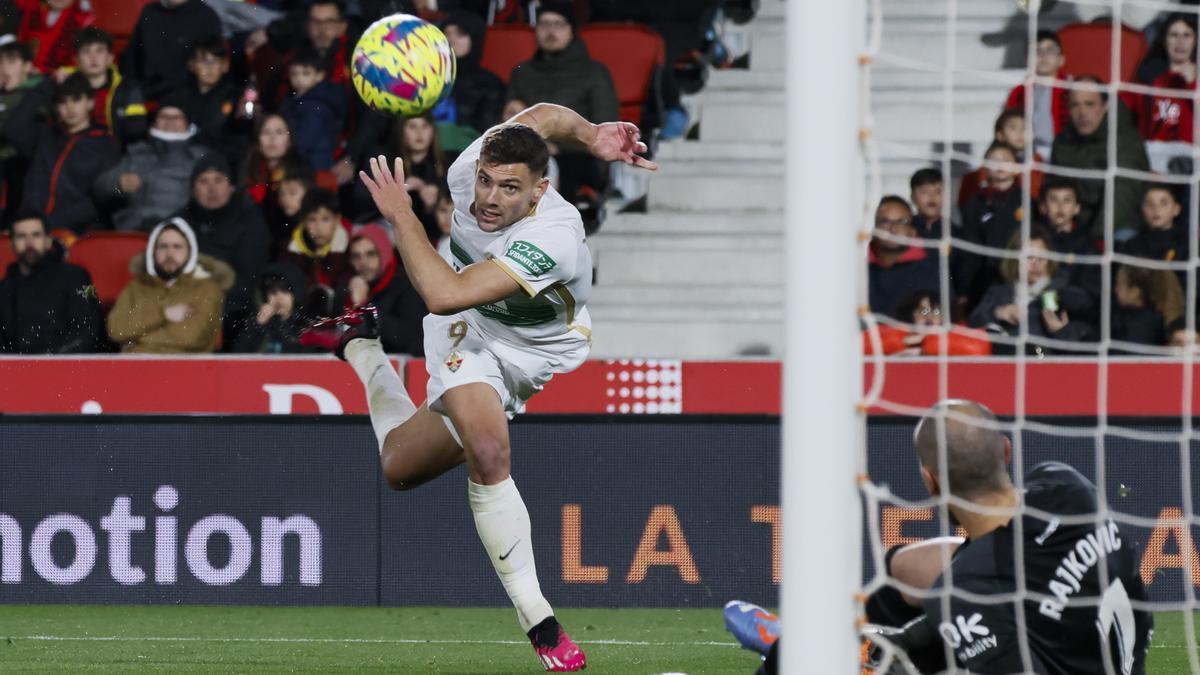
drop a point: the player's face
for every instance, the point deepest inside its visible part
(320, 226)
(1039, 266)
(504, 194)
(212, 190)
(29, 241)
(1159, 209)
(418, 134)
(1049, 58)
(928, 199)
(274, 139)
(74, 112)
(1087, 111)
(1181, 43)
(364, 258)
(208, 69)
(1060, 208)
(553, 32)
(291, 196)
(894, 219)
(325, 26)
(94, 59)
(170, 253)
(459, 39)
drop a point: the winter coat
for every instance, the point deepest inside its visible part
(1170, 244)
(62, 166)
(917, 269)
(1075, 301)
(277, 336)
(327, 266)
(569, 78)
(1060, 108)
(162, 41)
(53, 46)
(316, 120)
(9, 99)
(165, 169)
(990, 218)
(217, 119)
(137, 321)
(235, 234)
(401, 309)
(121, 108)
(478, 95)
(51, 311)
(1140, 325)
(1077, 151)
(1085, 276)
(1167, 118)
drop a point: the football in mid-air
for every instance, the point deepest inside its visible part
(402, 65)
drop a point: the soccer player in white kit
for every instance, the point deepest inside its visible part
(506, 314)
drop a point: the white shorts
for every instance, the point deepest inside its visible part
(456, 353)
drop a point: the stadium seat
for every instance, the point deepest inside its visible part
(506, 46)
(106, 255)
(633, 54)
(117, 18)
(6, 254)
(326, 180)
(1088, 48)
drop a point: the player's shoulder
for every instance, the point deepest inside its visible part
(1056, 487)
(554, 216)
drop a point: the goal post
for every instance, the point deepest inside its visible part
(822, 426)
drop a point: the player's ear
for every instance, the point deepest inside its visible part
(931, 484)
(540, 189)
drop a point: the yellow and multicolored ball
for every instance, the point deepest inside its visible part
(403, 65)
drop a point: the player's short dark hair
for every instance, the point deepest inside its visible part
(927, 176)
(17, 50)
(213, 45)
(29, 214)
(1050, 35)
(308, 56)
(75, 86)
(1057, 183)
(1008, 114)
(516, 143)
(317, 199)
(974, 448)
(93, 36)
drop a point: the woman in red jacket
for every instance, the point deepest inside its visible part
(50, 28)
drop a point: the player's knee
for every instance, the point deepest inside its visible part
(491, 459)
(399, 474)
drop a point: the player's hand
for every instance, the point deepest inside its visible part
(620, 142)
(387, 188)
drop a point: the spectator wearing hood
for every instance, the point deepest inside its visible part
(153, 179)
(1083, 144)
(50, 28)
(118, 104)
(319, 243)
(315, 109)
(64, 157)
(173, 304)
(162, 40)
(562, 72)
(229, 226)
(478, 95)
(379, 279)
(47, 306)
(275, 328)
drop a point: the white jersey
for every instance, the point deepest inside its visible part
(544, 252)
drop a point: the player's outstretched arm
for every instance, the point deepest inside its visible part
(610, 141)
(444, 290)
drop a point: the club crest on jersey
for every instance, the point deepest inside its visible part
(454, 361)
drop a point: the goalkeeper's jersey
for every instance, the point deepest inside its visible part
(544, 253)
(1073, 618)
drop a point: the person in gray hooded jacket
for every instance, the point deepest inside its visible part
(153, 180)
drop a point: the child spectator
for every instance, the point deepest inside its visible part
(173, 304)
(214, 103)
(50, 28)
(478, 95)
(272, 156)
(379, 279)
(162, 41)
(153, 179)
(1054, 304)
(18, 79)
(1162, 235)
(926, 194)
(65, 157)
(118, 106)
(315, 110)
(1165, 120)
(1136, 316)
(284, 215)
(1010, 130)
(319, 244)
(989, 219)
(1058, 205)
(415, 142)
(1050, 106)
(275, 328)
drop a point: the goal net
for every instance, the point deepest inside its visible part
(1052, 277)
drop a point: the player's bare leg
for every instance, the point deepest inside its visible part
(418, 451)
(503, 521)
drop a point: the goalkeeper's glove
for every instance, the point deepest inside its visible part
(885, 648)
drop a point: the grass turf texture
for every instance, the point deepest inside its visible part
(322, 639)
(404, 640)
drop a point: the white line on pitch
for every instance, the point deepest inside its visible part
(397, 641)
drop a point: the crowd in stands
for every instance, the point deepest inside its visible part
(226, 145)
(1048, 284)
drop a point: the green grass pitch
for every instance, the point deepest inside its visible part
(59, 638)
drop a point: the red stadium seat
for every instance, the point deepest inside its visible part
(1088, 48)
(632, 53)
(106, 255)
(6, 254)
(326, 180)
(506, 46)
(117, 18)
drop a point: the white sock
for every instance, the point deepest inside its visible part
(389, 404)
(503, 524)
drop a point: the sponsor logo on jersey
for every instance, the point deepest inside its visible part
(533, 259)
(1076, 564)
(454, 361)
(969, 634)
